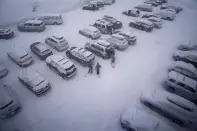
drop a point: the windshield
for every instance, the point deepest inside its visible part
(3, 107)
(23, 56)
(40, 83)
(45, 51)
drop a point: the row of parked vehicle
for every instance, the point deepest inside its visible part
(96, 4)
(178, 104)
(37, 24)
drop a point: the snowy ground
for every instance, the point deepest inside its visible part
(88, 102)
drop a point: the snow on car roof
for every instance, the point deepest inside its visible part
(34, 22)
(4, 30)
(144, 21)
(154, 18)
(42, 47)
(19, 52)
(126, 33)
(185, 65)
(144, 6)
(117, 36)
(85, 52)
(103, 22)
(183, 79)
(5, 98)
(92, 29)
(103, 43)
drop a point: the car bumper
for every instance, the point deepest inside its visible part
(70, 74)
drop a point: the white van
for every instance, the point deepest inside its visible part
(51, 19)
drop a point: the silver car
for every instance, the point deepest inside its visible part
(34, 81)
(156, 21)
(9, 106)
(20, 57)
(32, 26)
(90, 32)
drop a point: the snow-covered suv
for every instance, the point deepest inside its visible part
(57, 42)
(151, 2)
(156, 21)
(90, 6)
(91, 32)
(81, 55)
(101, 48)
(6, 33)
(41, 50)
(185, 68)
(142, 24)
(34, 81)
(186, 56)
(3, 71)
(104, 26)
(9, 105)
(172, 6)
(118, 41)
(32, 26)
(144, 7)
(20, 57)
(116, 23)
(61, 65)
(133, 12)
(130, 37)
(166, 15)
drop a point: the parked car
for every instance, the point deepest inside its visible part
(151, 2)
(130, 37)
(144, 7)
(99, 3)
(34, 81)
(166, 15)
(170, 106)
(133, 12)
(20, 57)
(188, 47)
(148, 15)
(186, 69)
(61, 65)
(90, 6)
(91, 32)
(104, 26)
(186, 56)
(109, 2)
(101, 48)
(32, 26)
(156, 21)
(3, 71)
(118, 41)
(135, 119)
(81, 55)
(116, 23)
(171, 11)
(57, 42)
(182, 86)
(6, 33)
(172, 6)
(9, 105)
(142, 24)
(51, 19)
(41, 50)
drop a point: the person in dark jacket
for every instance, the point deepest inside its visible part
(90, 68)
(98, 66)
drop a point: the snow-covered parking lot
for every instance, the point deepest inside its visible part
(90, 102)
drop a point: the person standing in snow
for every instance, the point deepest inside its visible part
(113, 60)
(90, 68)
(97, 67)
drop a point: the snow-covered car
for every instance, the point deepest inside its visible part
(91, 32)
(116, 23)
(133, 12)
(166, 15)
(3, 71)
(9, 105)
(129, 36)
(32, 26)
(57, 42)
(144, 7)
(104, 26)
(81, 55)
(156, 21)
(182, 86)
(142, 24)
(135, 119)
(188, 47)
(148, 15)
(186, 56)
(186, 69)
(6, 33)
(171, 11)
(99, 3)
(172, 6)
(34, 81)
(151, 2)
(50, 19)
(20, 57)
(61, 65)
(90, 6)
(101, 48)
(108, 2)
(170, 106)
(118, 41)
(41, 50)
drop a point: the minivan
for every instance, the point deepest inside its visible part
(51, 19)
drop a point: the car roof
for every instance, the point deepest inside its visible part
(117, 36)
(5, 97)
(154, 18)
(183, 79)
(57, 37)
(185, 65)
(103, 43)
(144, 21)
(92, 28)
(34, 22)
(83, 51)
(42, 47)
(19, 52)
(103, 22)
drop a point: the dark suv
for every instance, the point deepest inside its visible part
(142, 25)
